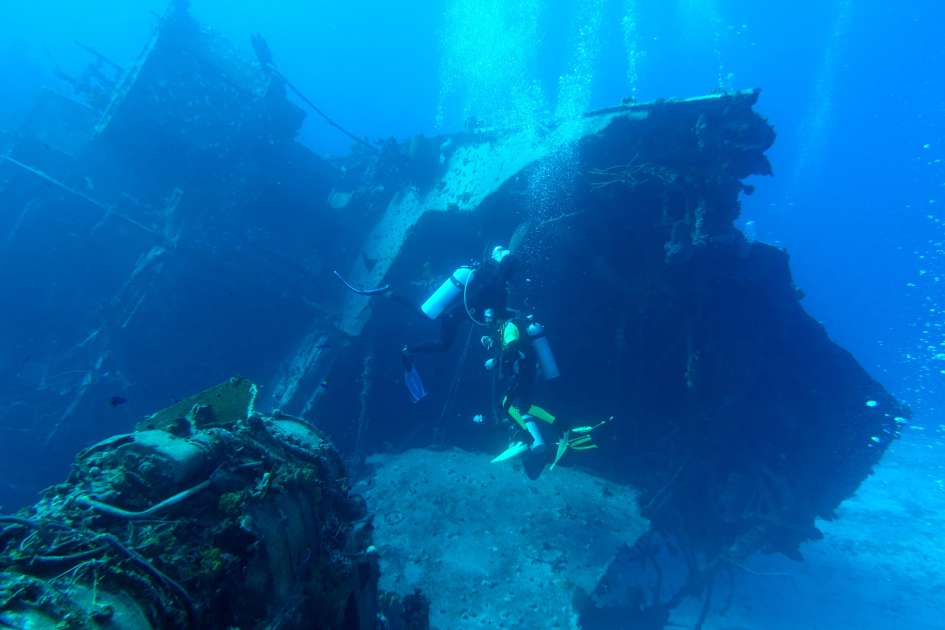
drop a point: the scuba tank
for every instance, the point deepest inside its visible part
(451, 288)
(546, 359)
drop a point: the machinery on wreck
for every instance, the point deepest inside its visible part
(210, 514)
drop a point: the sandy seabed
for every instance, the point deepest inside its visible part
(880, 566)
(492, 549)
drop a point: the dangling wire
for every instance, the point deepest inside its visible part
(275, 72)
(454, 385)
(493, 380)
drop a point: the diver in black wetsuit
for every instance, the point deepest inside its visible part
(521, 354)
(481, 297)
(517, 364)
(487, 291)
(470, 292)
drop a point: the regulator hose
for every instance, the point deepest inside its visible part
(469, 281)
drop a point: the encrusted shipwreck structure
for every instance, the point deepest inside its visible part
(737, 417)
(209, 515)
(190, 229)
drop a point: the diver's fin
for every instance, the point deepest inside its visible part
(514, 450)
(414, 384)
(541, 414)
(581, 443)
(588, 429)
(368, 292)
(562, 449)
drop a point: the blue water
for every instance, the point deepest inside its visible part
(855, 91)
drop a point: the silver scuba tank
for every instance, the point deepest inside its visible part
(546, 358)
(451, 289)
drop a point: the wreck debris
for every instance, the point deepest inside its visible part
(220, 405)
(631, 175)
(117, 512)
(726, 426)
(272, 69)
(364, 399)
(218, 552)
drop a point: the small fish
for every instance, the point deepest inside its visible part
(326, 382)
(117, 401)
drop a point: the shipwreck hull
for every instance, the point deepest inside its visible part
(738, 418)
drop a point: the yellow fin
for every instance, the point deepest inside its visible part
(583, 439)
(588, 429)
(541, 414)
(516, 415)
(562, 448)
(514, 450)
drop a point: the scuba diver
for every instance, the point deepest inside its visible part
(468, 293)
(484, 287)
(523, 355)
(517, 363)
